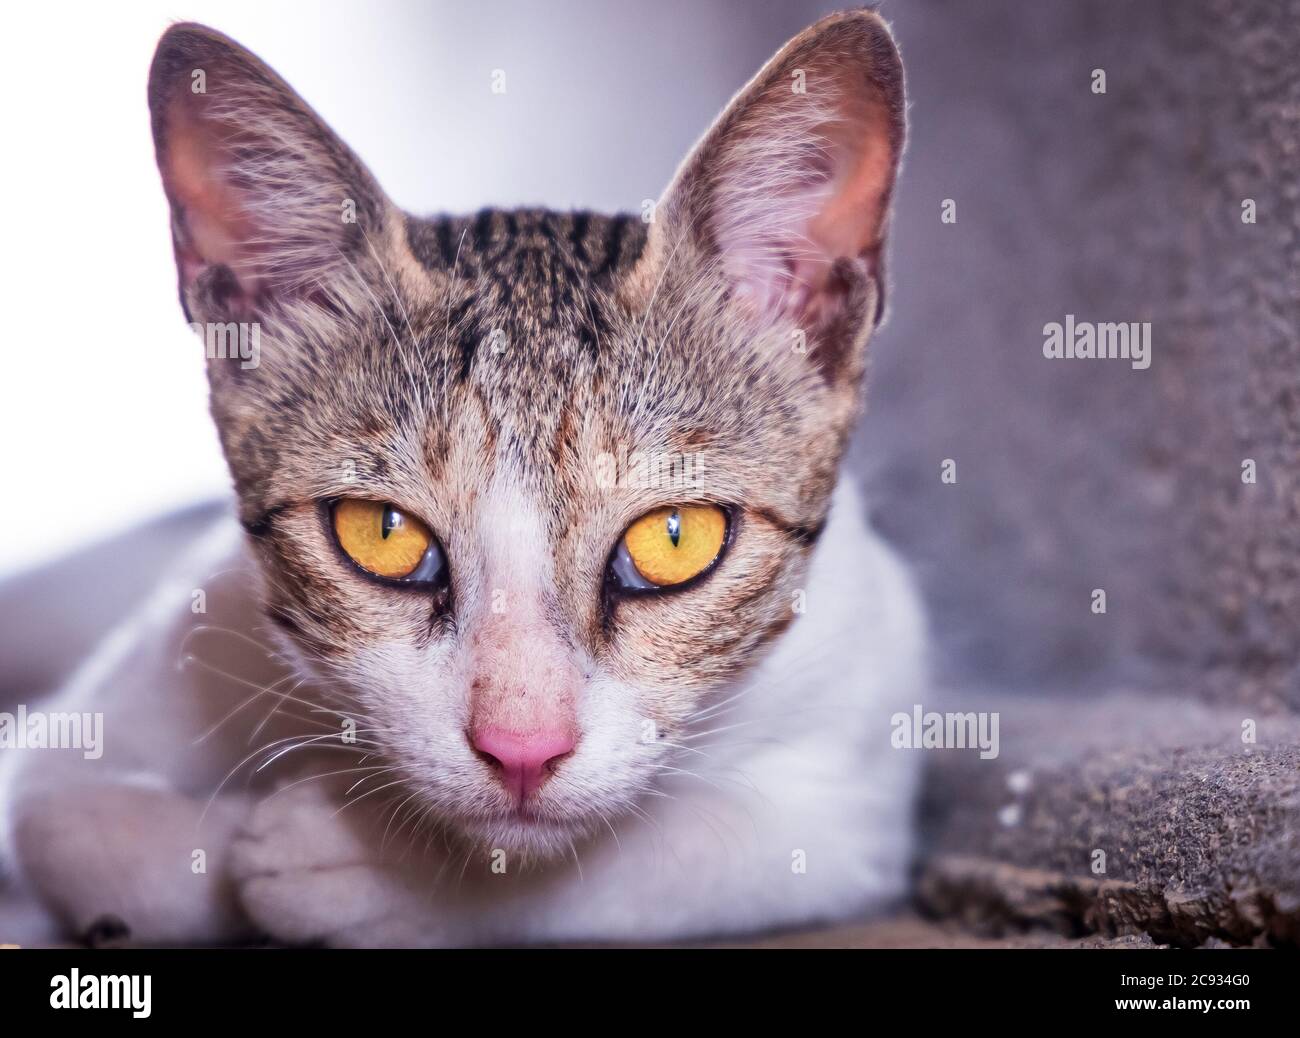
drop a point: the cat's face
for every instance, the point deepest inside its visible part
(530, 488)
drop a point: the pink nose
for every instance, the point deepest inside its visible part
(524, 762)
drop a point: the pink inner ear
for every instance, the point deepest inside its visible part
(849, 222)
(792, 203)
(216, 228)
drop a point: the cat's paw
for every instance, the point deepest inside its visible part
(309, 872)
(119, 863)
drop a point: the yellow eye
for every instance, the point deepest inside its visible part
(384, 540)
(671, 545)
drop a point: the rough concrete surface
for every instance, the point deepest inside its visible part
(1130, 815)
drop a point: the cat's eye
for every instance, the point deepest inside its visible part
(387, 542)
(669, 546)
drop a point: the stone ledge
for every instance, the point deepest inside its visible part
(1200, 833)
(995, 900)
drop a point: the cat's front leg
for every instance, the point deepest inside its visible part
(139, 863)
(311, 869)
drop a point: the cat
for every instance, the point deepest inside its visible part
(546, 616)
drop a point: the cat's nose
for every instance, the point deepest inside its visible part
(523, 762)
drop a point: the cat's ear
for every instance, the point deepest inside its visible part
(787, 195)
(267, 204)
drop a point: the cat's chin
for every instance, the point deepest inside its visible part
(533, 838)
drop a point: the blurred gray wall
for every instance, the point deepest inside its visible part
(1075, 475)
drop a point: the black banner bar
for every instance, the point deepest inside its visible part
(213, 986)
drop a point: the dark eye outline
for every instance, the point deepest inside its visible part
(433, 566)
(631, 584)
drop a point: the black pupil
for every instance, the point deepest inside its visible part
(674, 528)
(392, 520)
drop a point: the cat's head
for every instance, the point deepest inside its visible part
(528, 488)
